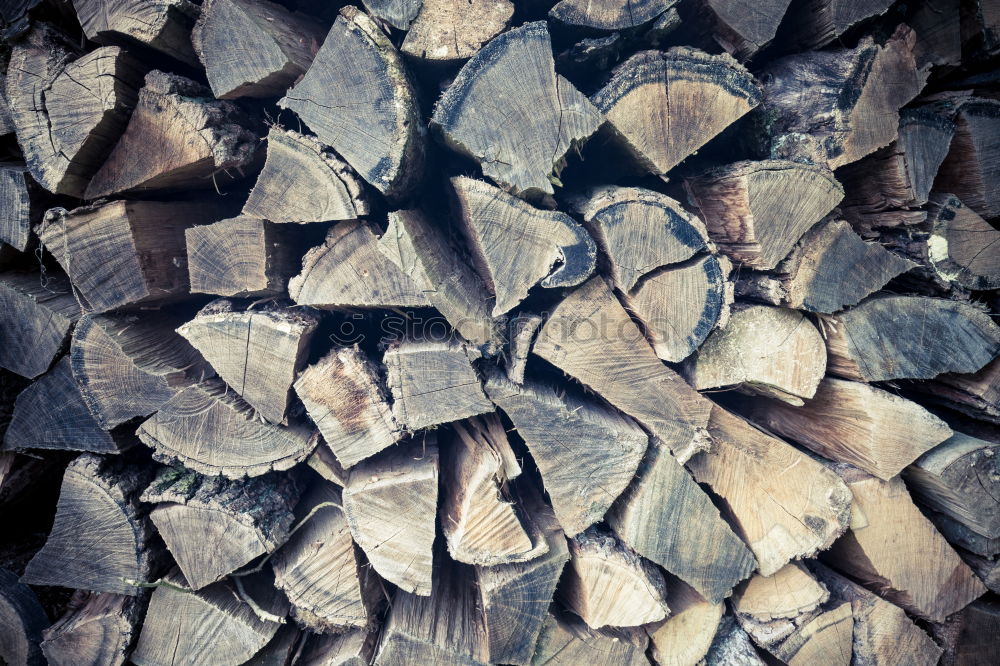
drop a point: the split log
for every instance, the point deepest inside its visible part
(523, 329)
(383, 140)
(586, 453)
(101, 537)
(37, 314)
(980, 27)
(253, 48)
(421, 251)
(354, 648)
(97, 630)
(347, 400)
(164, 25)
(6, 122)
(763, 350)
(893, 548)
(784, 595)
(23, 619)
(976, 394)
(433, 382)
(731, 645)
(507, 91)
(323, 462)
(968, 635)
(939, 33)
(651, 98)
(282, 650)
(348, 270)
(608, 14)
(960, 244)
(685, 637)
(784, 504)
(213, 431)
(855, 423)
(819, 22)
(913, 337)
(304, 181)
(20, 206)
(756, 211)
(564, 640)
(197, 139)
(68, 111)
(871, 82)
(448, 32)
(257, 352)
(743, 31)
(516, 246)
(987, 569)
(391, 507)
(961, 537)
(128, 366)
(970, 171)
(397, 13)
(213, 626)
(241, 257)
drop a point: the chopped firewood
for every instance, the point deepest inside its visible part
(651, 98)
(422, 252)
(912, 337)
(855, 423)
(819, 22)
(507, 91)
(731, 645)
(37, 314)
(785, 594)
(962, 537)
(164, 25)
(283, 649)
(743, 31)
(987, 568)
(607, 584)
(586, 453)
(304, 181)
(970, 171)
(238, 443)
(871, 83)
(380, 132)
(20, 206)
(23, 620)
(684, 638)
(97, 629)
(763, 350)
(939, 33)
(323, 462)
(756, 211)
(354, 648)
(433, 382)
(892, 547)
(784, 504)
(450, 31)
(391, 507)
(608, 14)
(241, 256)
(348, 270)
(969, 637)
(827, 637)
(523, 330)
(516, 246)
(976, 394)
(258, 352)
(960, 242)
(397, 13)
(216, 625)
(129, 365)
(980, 26)
(280, 46)
(68, 111)
(197, 139)
(101, 539)
(565, 640)
(322, 602)
(590, 336)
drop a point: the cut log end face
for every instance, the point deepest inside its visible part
(960, 244)
(608, 14)
(447, 31)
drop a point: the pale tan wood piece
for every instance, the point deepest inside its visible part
(450, 31)
(608, 14)
(323, 462)
(565, 640)
(98, 629)
(684, 638)
(786, 594)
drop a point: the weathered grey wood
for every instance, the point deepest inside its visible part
(987, 568)
(521, 335)
(608, 14)
(971, 171)
(397, 13)
(977, 394)
(966, 635)
(6, 122)
(961, 537)
(37, 314)
(686, 635)
(20, 206)
(565, 639)
(164, 25)
(23, 620)
(819, 22)
(939, 33)
(354, 648)
(961, 244)
(98, 629)
(450, 31)
(282, 649)
(731, 645)
(742, 29)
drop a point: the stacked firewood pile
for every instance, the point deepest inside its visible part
(590, 332)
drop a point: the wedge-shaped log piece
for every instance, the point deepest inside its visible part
(354, 648)
(213, 626)
(756, 211)
(20, 205)
(684, 638)
(450, 31)
(6, 122)
(819, 22)
(213, 431)
(101, 537)
(784, 504)
(855, 423)
(961, 537)
(213, 525)
(967, 636)
(36, 317)
(586, 453)
(323, 462)
(970, 171)
(731, 645)
(97, 630)
(508, 91)
(253, 48)
(241, 256)
(196, 138)
(421, 252)
(516, 246)
(257, 352)
(763, 350)
(380, 132)
(433, 382)
(960, 244)
(826, 637)
(397, 13)
(391, 504)
(304, 181)
(164, 25)
(523, 329)
(869, 83)
(653, 96)
(976, 394)
(566, 640)
(961, 478)
(347, 400)
(988, 569)
(608, 14)
(894, 549)
(129, 365)
(590, 337)
(786, 594)
(741, 31)
(23, 621)
(913, 337)
(348, 270)
(68, 112)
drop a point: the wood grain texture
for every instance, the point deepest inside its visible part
(966, 635)
(164, 25)
(743, 30)
(23, 620)
(37, 315)
(961, 244)
(565, 639)
(608, 14)
(821, 21)
(98, 629)
(684, 638)
(397, 13)
(20, 206)
(731, 645)
(976, 394)
(971, 170)
(450, 31)
(353, 648)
